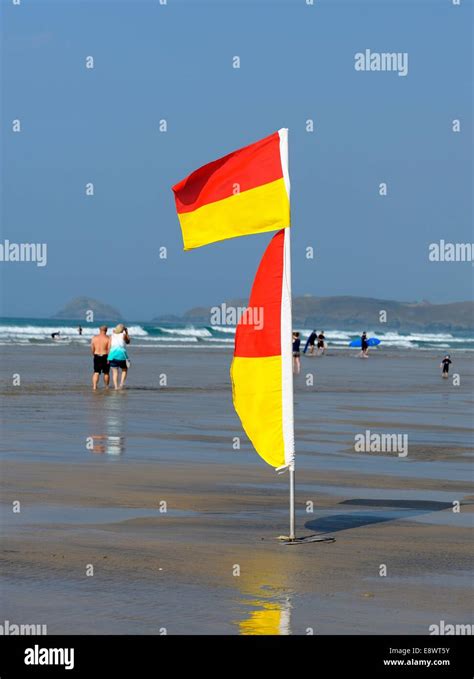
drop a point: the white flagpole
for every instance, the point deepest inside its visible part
(287, 362)
(288, 418)
(292, 504)
(286, 348)
(290, 443)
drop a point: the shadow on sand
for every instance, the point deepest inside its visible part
(388, 510)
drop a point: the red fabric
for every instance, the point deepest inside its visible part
(265, 298)
(252, 166)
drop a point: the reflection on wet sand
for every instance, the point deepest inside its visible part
(265, 593)
(108, 417)
(272, 618)
(112, 445)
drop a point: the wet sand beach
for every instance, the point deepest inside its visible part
(181, 528)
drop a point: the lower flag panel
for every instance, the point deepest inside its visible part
(257, 395)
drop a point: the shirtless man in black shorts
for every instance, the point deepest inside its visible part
(100, 346)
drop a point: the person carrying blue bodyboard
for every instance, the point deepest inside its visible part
(310, 342)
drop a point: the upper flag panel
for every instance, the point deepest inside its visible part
(240, 194)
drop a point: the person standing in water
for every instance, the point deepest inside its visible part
(100, 345)
(118, 357)
(321, 340)
(364, 344)
(310, 342)
(445, 363)
(296, 352)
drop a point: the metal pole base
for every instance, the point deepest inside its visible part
(285, 540)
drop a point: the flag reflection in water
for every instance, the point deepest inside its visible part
(272, 618)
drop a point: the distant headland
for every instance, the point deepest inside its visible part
(80, 309)
(357, 313)
(349, 313)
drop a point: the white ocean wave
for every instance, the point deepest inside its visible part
(222, 328)
(329, 334)
(44, 332)
(451, 340)
(160, 340)
(401, 342)
(188, 332)
(195, 347)
(419, 337)
(157, 338)
(192, 335)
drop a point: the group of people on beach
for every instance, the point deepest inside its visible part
(110, 353)
(320, 340)
(313, 339)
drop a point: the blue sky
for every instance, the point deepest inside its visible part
(174, 62)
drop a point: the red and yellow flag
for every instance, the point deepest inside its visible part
(242, 193)
(261, 372)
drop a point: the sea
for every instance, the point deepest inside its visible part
(34, 331)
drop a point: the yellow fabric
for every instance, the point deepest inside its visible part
(265, 208)
(257, 395)
(262, 622)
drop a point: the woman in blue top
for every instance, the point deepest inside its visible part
(118, 357)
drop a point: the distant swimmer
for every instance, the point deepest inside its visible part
(321, 343)
(445, 363)
(100, 346)
(310, 342)
(296, 352)
(55, 335)
(118, 357)
(79, 330)
(364, 344)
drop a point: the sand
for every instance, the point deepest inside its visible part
(92, 473)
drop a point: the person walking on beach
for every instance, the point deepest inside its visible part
(321, 340)
(445, 363)
(310, 342)
(100, 346)
(364, 344)
(296, 352)
(118, 357)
